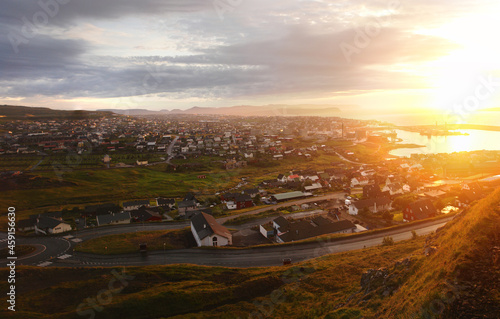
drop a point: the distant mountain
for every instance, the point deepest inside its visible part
(131, 112)
(17, 112)
(246, 110)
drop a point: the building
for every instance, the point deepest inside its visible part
(288, 231)
(470, 192)
(290, 195)
(26, 225)
(371, 191)
(50, 225)
(135, 204)
(251, 191)
(393, 188)
(313, 187)
(144, 214)
(114, 219)
(165, 202)
(359, 181)
(243, 201)
(186, 205)
(101, 209)
(191, 213)
(419, 209)
(207, 232)
(373, 205)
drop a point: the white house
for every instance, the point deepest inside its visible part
(394, 188)
(231, 205)
(373, 205)
(50, 225)
(207, 232)
(406, 188)
(359, 181)
(135, 204)
(281, 178)
(114, 219)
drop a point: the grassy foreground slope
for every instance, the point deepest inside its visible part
(461, 277)
(457, 278)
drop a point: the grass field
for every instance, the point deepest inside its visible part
(114, 185)
(129, 242)
(93, 186)
(297, 291)
(62, 161)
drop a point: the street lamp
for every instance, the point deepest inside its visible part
(164, 257)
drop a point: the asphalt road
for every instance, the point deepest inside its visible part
(58, 248)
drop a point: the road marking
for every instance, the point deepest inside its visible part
(76, 240)
(68, 236)
(45, 264)
(65, 256)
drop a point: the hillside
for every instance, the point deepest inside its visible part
(245, 110)
(15, 112)
(454, 273)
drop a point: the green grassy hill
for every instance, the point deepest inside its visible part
(453, 273)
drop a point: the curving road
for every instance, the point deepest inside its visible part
(58, 251)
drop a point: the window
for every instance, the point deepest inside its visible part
(214, 241)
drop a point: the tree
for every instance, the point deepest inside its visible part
(256, 199)
(401, 202)
(387, 216)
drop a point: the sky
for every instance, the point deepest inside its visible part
(384, 56)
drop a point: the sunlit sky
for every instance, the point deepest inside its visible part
(391, 56)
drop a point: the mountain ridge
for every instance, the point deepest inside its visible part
(245, 110)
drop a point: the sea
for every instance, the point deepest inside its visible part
(472, 140)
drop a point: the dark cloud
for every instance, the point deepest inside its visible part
(298, 62)
(65, 12)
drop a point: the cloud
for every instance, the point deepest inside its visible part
(66, 12)
(259, 48)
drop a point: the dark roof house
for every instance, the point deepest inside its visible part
(302, 229)
(419, 209)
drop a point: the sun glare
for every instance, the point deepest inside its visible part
(456, 76)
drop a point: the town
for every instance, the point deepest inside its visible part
(239, 181)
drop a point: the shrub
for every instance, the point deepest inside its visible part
(387, 241)
(414, 234)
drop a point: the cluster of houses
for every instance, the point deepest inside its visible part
(113, 214)
(239, 138)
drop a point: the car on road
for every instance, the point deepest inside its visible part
(143, 248)
(287, 261)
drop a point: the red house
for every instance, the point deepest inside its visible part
(243, 201)
(419, 209)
